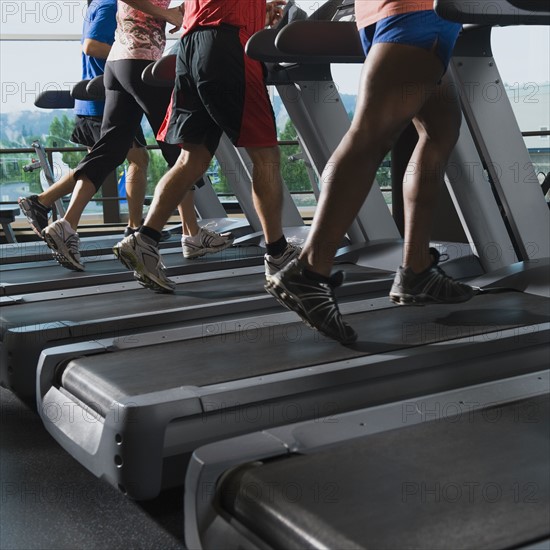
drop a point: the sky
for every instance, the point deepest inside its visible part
(29, 67)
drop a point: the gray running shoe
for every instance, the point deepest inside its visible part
(65, 244)
(432, 286)
(313, 301)
(36, 213)
(274, 264)
(144, 259)
(205, 242)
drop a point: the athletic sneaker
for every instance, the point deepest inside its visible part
(432, 286)
(205, 242)
(274, 264)
(312, 300)
(65, 244)
(37, 214)
(143, 258)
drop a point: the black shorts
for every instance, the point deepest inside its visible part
(218, 89)
(87, 131)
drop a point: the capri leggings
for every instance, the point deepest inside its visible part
(127, 99)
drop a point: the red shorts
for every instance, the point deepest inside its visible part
(218, 88)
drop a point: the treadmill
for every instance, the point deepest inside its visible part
(133, 420)
(208, 207)
(209, 382)
(466, 468)
(32, 322)
(367, 479)
(44, 304)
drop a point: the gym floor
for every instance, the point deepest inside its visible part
(50, 501)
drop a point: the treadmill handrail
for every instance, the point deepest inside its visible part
(337, 41)
(489, 12)
(164, 70)
(308, 42)
(54, 99)
(78, 91)
(96, 88)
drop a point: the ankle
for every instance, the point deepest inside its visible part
(43, 202)
(417, 267)
(311, 265)
(276, 248)
(151, 233)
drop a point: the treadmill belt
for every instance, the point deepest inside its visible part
(477, 480)
(35, 251)
(100, 305)
(43, 276)
(241, 349)
(96, 305)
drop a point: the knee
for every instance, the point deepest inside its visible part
(138, 158)
(442, 140)
(265, 156)
(192, 162)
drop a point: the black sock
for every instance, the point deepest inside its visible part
(153, 234)
(277, 248)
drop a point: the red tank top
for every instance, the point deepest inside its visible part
(248, 15)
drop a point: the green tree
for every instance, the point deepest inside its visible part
(60, 132)
(294, 171)
(218, 178)
(157, 168)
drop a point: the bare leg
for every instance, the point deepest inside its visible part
(395, 83)
(438, 126)
(186, 209)
(82, 195)
(63, 186)
(174, 185)
(267, 190)
(136, 184)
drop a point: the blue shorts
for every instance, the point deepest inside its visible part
(424, 29)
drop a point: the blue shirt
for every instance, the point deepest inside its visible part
(100, 25)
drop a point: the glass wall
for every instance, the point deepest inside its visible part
(41, 52)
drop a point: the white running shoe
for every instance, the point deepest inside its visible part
(205, 242)
(144, 259)
(64, 243)
(274, 264)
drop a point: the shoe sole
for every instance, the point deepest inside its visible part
(62, 254)
(204, 251)
(27, 212)
(288, 300)
(425, 299)
(130, 261)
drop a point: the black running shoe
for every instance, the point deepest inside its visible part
(313, 301)
(432, 286)
(36, 213)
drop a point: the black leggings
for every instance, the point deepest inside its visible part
(127, 99)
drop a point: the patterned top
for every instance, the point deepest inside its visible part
(138, 35)
(368, 12)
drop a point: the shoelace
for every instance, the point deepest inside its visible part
(439, 257)
(72, 244)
